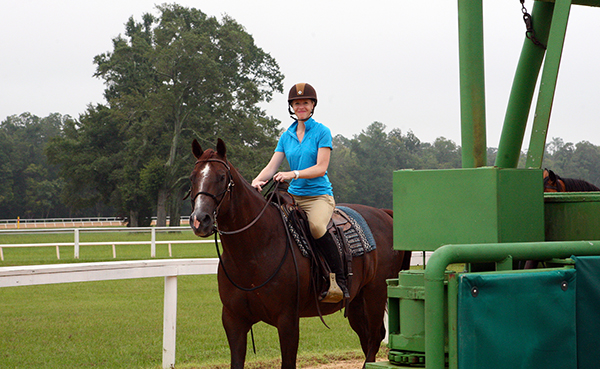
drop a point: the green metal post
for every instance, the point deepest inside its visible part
(478, 253)
(523, 87)
(453, 321)
(472, 83)
(556, 40)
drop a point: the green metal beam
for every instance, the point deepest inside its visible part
(472, 83)
(556, 40)
(595, 3)
(478, 253)
(521, 95)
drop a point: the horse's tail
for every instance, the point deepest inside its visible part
(389, 212)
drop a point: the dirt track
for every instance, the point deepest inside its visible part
(346, 364)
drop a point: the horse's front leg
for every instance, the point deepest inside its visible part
(236, 330)
(288, 328)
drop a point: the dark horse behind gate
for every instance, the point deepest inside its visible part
(555, 183)
(261, 278)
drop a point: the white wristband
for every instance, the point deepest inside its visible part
(297, 174)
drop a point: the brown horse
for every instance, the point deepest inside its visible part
(554, 183)
(263, 277)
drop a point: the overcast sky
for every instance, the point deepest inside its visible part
(393, 61)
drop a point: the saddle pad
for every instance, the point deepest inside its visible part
(359, 237)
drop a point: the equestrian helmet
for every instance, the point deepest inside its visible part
(302, 91)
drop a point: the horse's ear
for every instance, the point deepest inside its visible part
(221, 149)
(552, 176)
(197, 149)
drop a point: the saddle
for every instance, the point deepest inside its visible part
(346, 226)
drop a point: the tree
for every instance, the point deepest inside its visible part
(374, 175)
(169, 79)
(30, 185)
(343, 169)
(90, 155)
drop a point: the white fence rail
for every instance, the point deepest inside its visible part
(67, 222)
(86, 272)
(76, 243)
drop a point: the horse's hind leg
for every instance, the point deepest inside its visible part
(237, 336)
(366, 319)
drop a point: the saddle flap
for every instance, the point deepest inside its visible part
(339, 220)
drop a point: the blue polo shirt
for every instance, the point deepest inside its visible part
(302, 155)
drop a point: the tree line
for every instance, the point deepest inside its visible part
(184, 75)
(38, 182)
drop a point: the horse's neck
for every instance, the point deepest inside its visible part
(244, 205)
(575, 185)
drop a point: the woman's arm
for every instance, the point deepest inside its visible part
(263, 177)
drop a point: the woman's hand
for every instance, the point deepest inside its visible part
(284, 176)
(257, 183)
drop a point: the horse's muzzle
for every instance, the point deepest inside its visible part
(202, 223)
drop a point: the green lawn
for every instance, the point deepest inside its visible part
(118, 324)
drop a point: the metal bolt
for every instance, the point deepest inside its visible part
(474, 291)
(564, 285)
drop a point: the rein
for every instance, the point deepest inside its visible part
(287, 249)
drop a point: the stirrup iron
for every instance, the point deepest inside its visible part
(335, 294)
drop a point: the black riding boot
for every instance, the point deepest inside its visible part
(330, 251)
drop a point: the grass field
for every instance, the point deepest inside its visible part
(118, 324)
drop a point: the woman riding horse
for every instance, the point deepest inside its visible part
(263, 275)
(307, 146)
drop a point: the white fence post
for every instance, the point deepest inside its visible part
(76, 244)
(153, 244)
(169, 322)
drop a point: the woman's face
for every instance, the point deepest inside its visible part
(303, 108)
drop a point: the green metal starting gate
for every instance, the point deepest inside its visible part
(469, 307)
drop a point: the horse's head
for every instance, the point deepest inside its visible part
(552, 182)
(211, 184)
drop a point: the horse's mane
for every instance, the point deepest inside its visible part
(578, 185)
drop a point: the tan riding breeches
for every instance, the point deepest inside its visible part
(318, 210)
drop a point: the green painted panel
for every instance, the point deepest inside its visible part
(433, 208)
(517, 320)
(572, 216)
(588, 300)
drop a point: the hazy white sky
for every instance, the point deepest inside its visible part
(393, 61)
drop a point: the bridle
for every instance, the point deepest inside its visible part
(557, 186)
(223, 193)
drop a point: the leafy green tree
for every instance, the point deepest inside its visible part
(372, 149)
(7, 195)
(581, 160)
(89, 153)
(343, 170)
(169, 79)
(30, 186)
